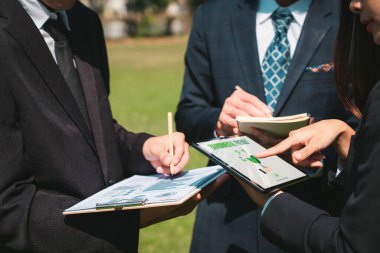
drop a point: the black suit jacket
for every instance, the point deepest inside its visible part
(49, 158)
(222, 52)
(300, 227)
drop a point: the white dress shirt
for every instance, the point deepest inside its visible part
(265, 27)
(40, 14)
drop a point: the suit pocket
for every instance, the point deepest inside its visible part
(318, 76)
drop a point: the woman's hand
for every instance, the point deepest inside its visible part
(263, 138)
(149, 216)
(306, 143)
(156, 150)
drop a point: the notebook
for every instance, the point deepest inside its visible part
(275, 126)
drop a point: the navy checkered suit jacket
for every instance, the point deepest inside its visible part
(221, 53)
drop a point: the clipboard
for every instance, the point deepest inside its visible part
(121, 203)
(236, 156)
(155, 190)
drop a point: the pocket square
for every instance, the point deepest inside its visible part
(327, 67)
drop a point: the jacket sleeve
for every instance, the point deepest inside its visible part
(130, 147)
(31, 218)
(196, 116)
(300, 227)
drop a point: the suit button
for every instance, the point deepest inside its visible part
(111, 182)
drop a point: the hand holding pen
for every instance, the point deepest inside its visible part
(168, 155)
(240, 103)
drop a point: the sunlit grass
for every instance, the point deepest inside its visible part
(146, 80)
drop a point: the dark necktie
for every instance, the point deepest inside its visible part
(277, 57)
(65, 62)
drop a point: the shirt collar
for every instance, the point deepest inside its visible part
(40, 14)
(298, 9)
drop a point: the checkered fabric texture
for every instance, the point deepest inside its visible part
(277, 57)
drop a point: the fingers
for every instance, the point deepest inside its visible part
(183, 160)
(314, 161)
(264, 138)
(240, 103)
(305, 152)
(160, 157)
(236, 131)
(227, 120)
(181, 154)
(255, 102)
(314, 164)
(278, 149)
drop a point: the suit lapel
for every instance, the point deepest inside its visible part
(39, 54)
(94, 88)
(317, 24)
(244, 35)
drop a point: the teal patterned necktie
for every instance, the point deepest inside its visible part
(277, 57)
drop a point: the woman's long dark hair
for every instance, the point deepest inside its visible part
(357, 61)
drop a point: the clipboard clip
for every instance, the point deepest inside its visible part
(118, 204)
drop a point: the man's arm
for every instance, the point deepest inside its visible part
(131, 151)
(31, 217)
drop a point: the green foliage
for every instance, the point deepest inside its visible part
(141, 5)
(146, 79)
(97, 5)
(150, 27)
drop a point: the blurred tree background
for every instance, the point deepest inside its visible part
(143, 18)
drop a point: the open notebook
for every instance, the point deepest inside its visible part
(276, 126)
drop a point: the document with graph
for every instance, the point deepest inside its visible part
(148, 191)
(237, 156)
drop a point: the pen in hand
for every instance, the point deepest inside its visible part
(171, 148)
(268, 114)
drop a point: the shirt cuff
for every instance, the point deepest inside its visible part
(342, 165)
(268, 202)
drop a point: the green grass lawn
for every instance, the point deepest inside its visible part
(146, 80)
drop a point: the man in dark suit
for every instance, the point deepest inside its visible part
(58, 141)
(280, 54)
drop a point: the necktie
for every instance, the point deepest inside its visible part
(277, 57)
(65, 62)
